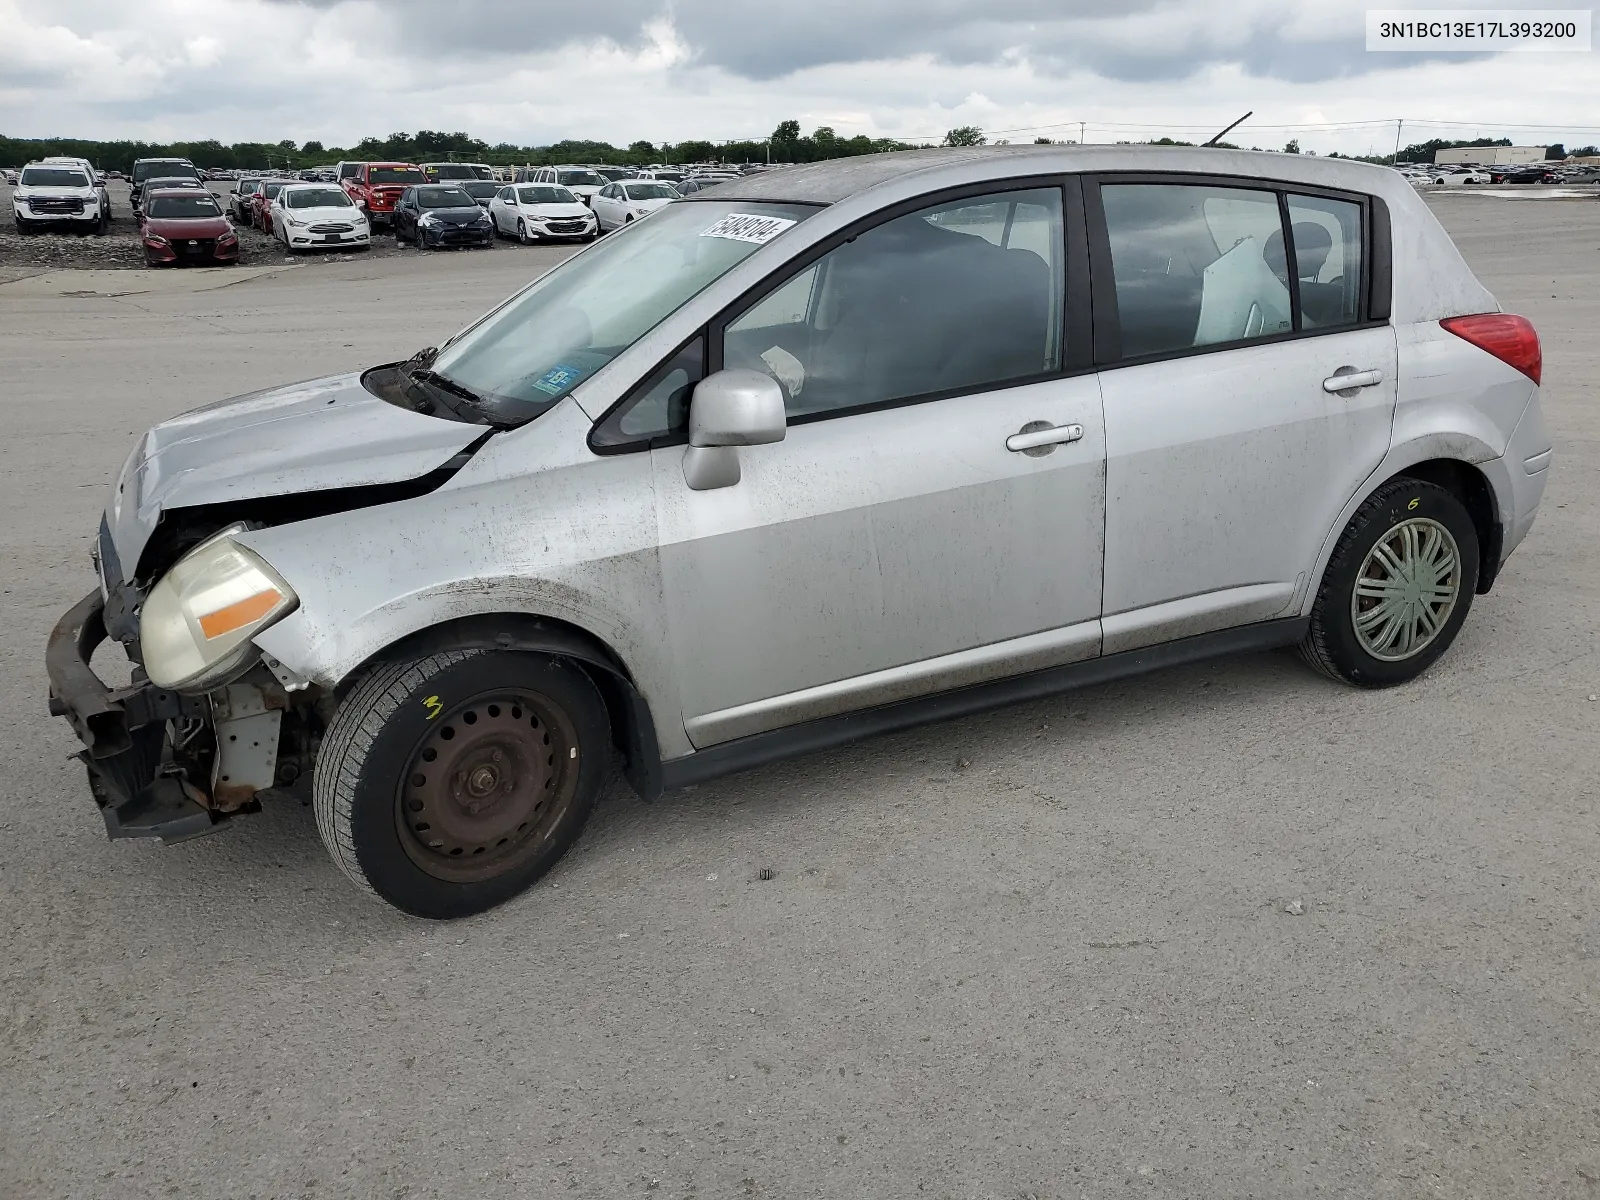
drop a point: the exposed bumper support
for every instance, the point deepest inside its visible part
(124, 731)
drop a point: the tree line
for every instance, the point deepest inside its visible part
(786, 145)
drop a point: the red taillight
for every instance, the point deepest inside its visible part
(1509, 338)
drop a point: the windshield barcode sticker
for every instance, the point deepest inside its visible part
(746, 227)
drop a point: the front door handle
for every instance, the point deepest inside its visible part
(1347, 381)
(1040, 437)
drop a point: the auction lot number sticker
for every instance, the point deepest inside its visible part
(1484, 30)
(747, 227)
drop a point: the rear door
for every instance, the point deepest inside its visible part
(1231, 446)
(934, 515)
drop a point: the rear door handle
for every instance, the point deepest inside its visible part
(1348, 379)
(1037, 434)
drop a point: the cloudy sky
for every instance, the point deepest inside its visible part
(535, 71)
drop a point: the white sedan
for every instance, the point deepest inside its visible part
(1462, 177)
(618, 204)
(531, 212)
(318, 216)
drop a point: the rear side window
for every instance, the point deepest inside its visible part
(1327, 250)
(1195, 265)
(959, 297)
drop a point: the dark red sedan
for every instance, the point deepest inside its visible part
(261, 200)
(186, 227)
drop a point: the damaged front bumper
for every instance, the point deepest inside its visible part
(143, 787)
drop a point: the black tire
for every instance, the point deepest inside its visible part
(522, 232)
(373, 758)
(1332, 644)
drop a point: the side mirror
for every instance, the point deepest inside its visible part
(730, 409)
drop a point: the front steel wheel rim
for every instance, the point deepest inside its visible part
(487, 786)
(1406, 589)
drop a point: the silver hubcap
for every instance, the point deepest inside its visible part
(1406, 589)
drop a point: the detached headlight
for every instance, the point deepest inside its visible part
(197, 622)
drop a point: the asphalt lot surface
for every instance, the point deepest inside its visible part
(1229, 930)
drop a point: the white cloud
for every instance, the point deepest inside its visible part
(535, 71)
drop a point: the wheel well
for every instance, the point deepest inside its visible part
(1469, 485)
(633, 729)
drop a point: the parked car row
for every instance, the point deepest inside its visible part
(1526, 173)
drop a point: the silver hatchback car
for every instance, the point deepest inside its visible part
(835, 450)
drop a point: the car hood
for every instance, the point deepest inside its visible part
(306, 437)
(556, 211)
(348, 213)
(455, 216)
(187, 227)
(43, 190)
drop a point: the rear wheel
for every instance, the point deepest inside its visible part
(448, 784)
(1397, 588)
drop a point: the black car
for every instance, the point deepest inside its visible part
(146, 169)
(441, 214)
(239, 202)
(154, 183)
(481, 190)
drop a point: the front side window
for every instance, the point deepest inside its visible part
(1195, 265)
(649, 191)
(1327, 252)
(963, 296)
(576, 318)
(181, 207)
(318, 198)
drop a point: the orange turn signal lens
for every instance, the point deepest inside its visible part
(240, 613)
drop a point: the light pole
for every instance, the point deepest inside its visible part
(1398, 125)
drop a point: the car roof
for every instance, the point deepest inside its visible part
(837, 179)
(178, 192)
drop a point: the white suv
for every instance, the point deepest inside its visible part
(59, 191)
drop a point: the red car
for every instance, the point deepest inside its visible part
(186, 226)
(376, 186)
(261, 200)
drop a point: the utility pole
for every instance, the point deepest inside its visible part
(1398, 125)
(1080, 132)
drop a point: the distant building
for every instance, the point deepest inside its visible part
(1484, 156)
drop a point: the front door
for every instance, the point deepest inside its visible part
(894, 544)
(1231, 447)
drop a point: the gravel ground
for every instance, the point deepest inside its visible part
(119, 248)
(1224, 931)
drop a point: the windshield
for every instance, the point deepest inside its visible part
(53, 177)
(480, 188)
(271, 188)
(450, 171)
(328, 197)
(579, 179)
(396, 175)
(179, 207)
(163, 167)
(651, 191)
(576, 318)
(246, 186)
(444, 197)
(669, 176)
(545, 194)
(157, 184)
